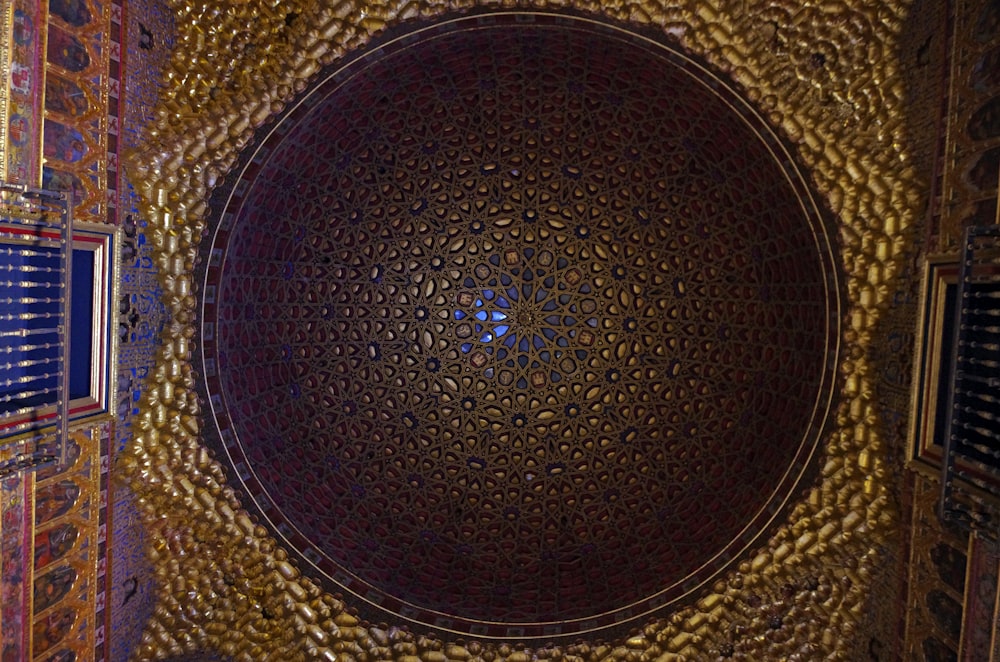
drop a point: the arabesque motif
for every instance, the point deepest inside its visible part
(494, 310)
(228, 587)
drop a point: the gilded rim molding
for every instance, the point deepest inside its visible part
(827, 74)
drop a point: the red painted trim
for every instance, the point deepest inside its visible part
(27, 562)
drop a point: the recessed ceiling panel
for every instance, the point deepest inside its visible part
(520, 326)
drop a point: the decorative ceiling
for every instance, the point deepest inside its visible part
(538, 310)
(231, 585)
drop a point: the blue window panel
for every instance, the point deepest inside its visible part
(35, 309)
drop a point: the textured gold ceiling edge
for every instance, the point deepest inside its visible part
(225, 586)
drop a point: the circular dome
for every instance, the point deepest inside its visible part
(520, 326)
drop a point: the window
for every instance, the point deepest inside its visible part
(31, 357)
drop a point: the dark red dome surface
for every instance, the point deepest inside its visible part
(520, 323)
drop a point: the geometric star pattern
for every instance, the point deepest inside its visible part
(521, 324)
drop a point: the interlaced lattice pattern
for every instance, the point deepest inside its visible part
(529, 311)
